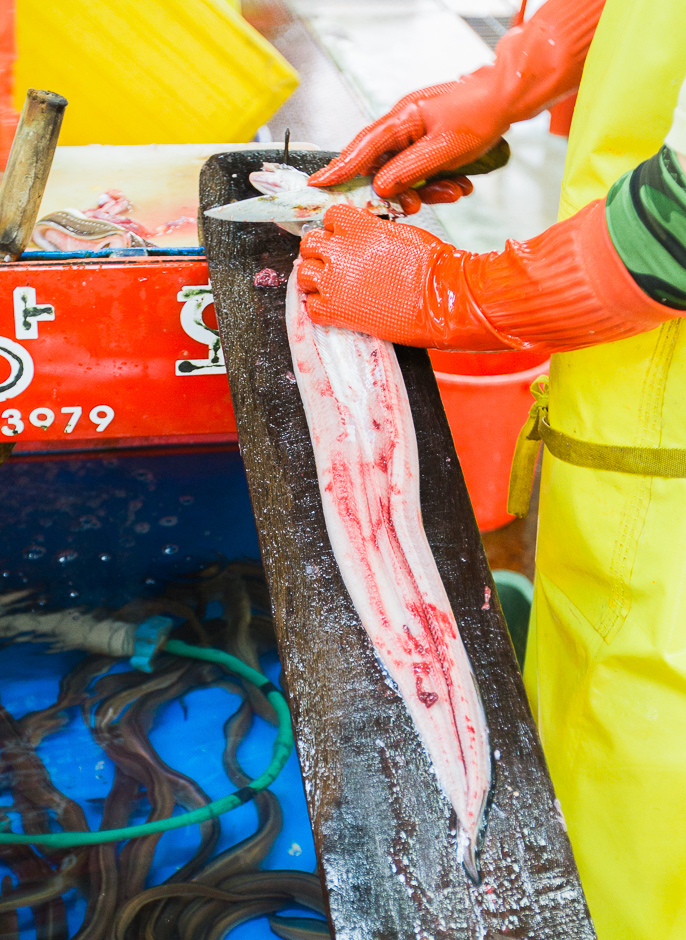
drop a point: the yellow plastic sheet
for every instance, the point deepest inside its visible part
(150, 71)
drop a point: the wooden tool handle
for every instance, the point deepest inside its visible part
(23, 183)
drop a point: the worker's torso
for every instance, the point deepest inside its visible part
(606, 662)
(634, 391)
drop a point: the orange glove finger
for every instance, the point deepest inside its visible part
(314, 244)
(359, 156)
(428, 156)
(345, 220)
(310, 275)
(442, 191)
(317, 309)
(318, 247)
(389, 134)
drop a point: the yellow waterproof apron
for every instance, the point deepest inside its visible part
(606, 661)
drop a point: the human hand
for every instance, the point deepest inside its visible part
(442, 128)
(416, 140)
(366, 274)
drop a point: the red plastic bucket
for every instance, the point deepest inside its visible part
(487, 398)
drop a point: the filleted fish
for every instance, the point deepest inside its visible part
(368, 472)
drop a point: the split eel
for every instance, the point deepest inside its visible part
(71, 230)
(299, 928)
(365, 451)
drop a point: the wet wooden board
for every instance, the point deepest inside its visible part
(384, 833)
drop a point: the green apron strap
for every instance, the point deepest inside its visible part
(526, 451)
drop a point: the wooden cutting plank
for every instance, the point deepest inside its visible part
(384, 833)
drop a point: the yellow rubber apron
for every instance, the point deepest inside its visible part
(606, 660)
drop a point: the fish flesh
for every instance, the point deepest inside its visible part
(288, 201)
(107, 225)
(72, 230)
(365, 451)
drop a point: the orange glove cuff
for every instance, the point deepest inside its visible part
(564, 289)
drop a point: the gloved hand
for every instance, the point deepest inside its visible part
(446, 126)
(564, 289)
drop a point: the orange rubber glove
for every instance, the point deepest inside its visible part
(446, 126)
(564, 289)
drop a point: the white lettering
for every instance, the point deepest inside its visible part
(27, 313)
(21, 369)
(14, 423)
(101, 415)
(195, 300)
(42, 418)
(76, 411)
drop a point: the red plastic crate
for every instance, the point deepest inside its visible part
(110, 352)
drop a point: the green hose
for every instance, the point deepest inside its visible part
(282, 747)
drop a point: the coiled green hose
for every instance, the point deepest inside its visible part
(281, 749)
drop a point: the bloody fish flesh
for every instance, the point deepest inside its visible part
(365, 451)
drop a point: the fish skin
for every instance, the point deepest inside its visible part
(287, 199)
(299, 928)
(72, 230)
(367, 467)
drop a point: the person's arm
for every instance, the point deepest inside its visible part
(646, 219)
(446, 126)
(564, 289)
(615, 269)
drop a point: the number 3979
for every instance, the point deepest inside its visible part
(13, 421)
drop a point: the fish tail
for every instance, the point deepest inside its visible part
(471, 865)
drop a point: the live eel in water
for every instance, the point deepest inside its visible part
(125, 705)
(36, 725)
(265, 892)
(133, 727)
(102, 865)
(248, 853)
(365, 451)
(299, 928)
(9, 921)
(30, 869)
